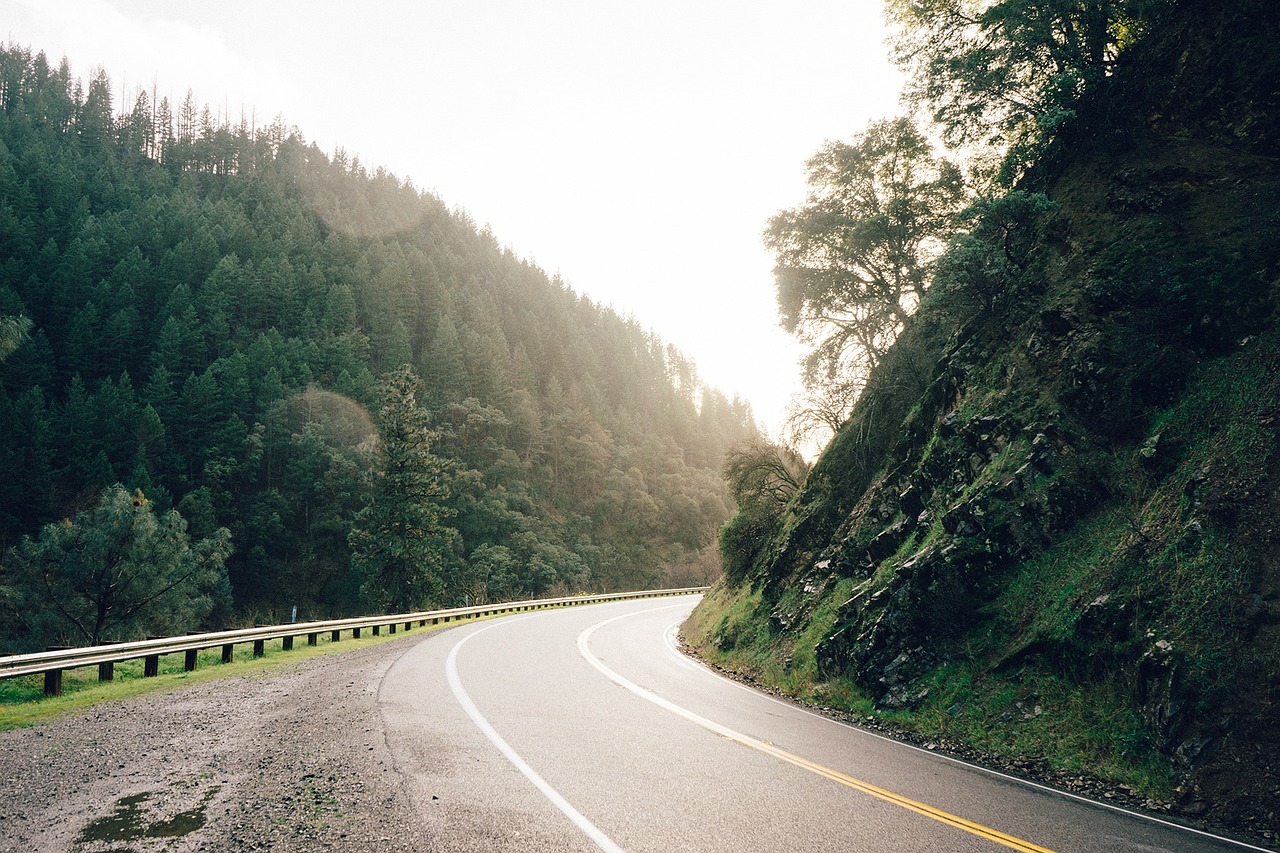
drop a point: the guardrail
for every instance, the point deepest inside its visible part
(105, 657)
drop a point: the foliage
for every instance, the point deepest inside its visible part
(211, 306)
(399, 544)
(116, 572)
(853, 262)
(762, 476)
(1005, 75)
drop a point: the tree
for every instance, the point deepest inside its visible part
(1006, 74)
(761, 471)
(853, 261)
(762, 477)
(982, 265)
(145, 238)
(13, 331)
(400, 545)
(116, 572)
(817, 413)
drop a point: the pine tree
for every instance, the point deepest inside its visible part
(115, 572)
(400, 545)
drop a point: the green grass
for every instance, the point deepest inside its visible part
(1089, 728)
(23, 703)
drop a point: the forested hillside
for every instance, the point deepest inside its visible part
(229, 322)
(1045, 535)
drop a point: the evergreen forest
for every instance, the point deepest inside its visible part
(314, 384)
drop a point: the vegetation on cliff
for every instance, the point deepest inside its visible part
(1046, 531)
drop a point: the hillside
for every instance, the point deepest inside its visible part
(1046, 537)
(212, 308)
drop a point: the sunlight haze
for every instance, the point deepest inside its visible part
(637, 150)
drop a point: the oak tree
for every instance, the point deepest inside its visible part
(853, 261)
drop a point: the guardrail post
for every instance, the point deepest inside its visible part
(335, 636)
(53, 682)
(286, 644)
(151, 656)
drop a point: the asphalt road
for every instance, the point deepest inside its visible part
(585, 729)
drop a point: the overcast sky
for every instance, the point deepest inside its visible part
(637, 149)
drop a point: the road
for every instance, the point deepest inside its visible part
(586, 729)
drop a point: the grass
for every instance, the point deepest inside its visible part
(728, 629)
(1090, 728)
(23, 703)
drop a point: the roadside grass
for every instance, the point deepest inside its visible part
(1091, 728)
(23, 703)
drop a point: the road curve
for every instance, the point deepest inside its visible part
(585, 729)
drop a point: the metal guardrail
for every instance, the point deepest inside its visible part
(105, 657)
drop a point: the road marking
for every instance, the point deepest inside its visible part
(693, 663)
(769, 749)
(455, 684)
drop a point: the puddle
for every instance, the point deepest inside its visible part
(124, 824)
(130, 823)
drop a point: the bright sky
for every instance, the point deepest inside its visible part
(637, 149)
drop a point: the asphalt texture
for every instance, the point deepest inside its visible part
(575, 729)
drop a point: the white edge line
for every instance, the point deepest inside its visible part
(643, 693)
(455, 684)
(693, 662)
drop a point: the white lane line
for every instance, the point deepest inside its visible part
(723, 731)
(686, 660)
(455, 684)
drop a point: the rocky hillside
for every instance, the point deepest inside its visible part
(1048, 534)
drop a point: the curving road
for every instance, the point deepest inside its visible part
(585, 729)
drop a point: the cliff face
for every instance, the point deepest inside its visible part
(1059, 498)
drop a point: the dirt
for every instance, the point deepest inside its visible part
(293, 760)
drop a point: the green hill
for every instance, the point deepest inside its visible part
(213, 306)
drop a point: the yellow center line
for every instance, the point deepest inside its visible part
(826, 772)
(896, 799)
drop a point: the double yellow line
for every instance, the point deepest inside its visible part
(826, 772)
(890, 797)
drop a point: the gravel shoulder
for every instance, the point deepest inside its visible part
(294, 758)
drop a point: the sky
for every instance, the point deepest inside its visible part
(635, 149)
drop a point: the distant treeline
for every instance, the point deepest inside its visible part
(213, 306)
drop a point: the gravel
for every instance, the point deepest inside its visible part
(293, 758)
